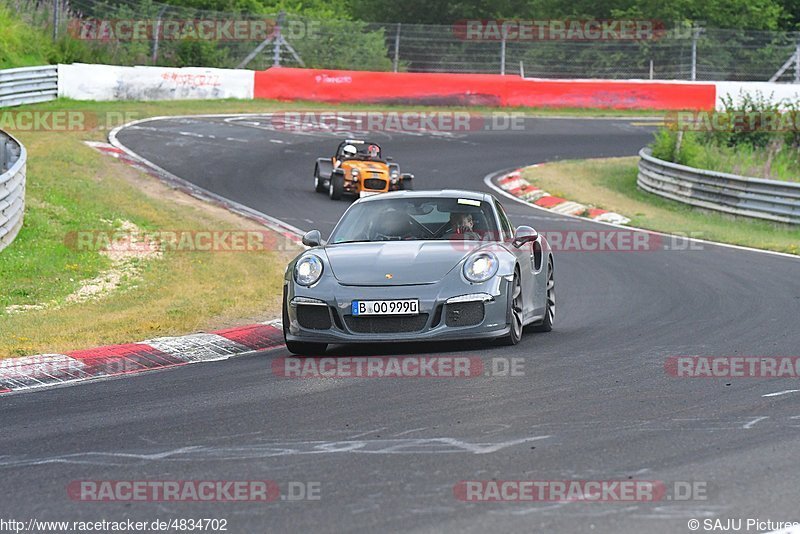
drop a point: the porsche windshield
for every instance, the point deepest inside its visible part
(408, 219)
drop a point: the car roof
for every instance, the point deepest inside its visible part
(439, 193)
(357, 142)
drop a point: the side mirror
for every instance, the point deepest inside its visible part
(312, 238)
(389, 158)
(524, 234)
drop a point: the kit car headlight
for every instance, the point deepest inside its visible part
(308, 270)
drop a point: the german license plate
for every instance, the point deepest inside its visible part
(385, 307)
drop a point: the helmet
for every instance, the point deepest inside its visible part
(373, 151)
(349, 151)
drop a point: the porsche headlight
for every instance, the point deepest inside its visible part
(481, 267)
(308, 270)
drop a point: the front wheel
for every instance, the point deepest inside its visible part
(407, 185)
(336, 186)
(514, 313)
(546, 324)
(319, 183)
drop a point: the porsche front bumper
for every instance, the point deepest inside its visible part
(457, 311)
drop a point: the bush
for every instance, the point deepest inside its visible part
(665, 143)
(21, 45)
(344, 45)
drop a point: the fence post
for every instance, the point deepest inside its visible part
(55, 19)
(651, 69)
(695, 35)
(277, 40)
(503, 52)
(158, 31)
(396, 61)
(797, 62)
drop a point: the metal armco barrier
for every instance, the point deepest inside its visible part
(13, 160)
(28, 85)
(749, 197)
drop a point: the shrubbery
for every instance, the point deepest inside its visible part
(763, 140)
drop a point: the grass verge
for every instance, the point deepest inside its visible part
(71, 188)
(611, 184)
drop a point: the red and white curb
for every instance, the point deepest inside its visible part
(513, 184)
(44, 370)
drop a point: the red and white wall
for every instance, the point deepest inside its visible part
(107, 82)
(82, 81)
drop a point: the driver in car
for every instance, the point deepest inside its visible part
(462, 226)
(393, 226)
(348, 152)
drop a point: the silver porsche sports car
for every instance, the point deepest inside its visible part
(417, 266)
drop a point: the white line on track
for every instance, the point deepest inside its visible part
(779, 393)
(361, 434)
(752, 423)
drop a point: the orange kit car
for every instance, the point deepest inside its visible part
(359, 168)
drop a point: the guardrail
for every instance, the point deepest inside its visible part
(13, 163)
(739, 195)
(28, 85)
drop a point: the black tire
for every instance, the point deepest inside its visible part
(319, 183)
(407, 185)
(336, 187)
(301, 348)
(514, 313)
(546, 324)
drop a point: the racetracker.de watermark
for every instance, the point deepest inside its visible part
(190, 29)
(611, 240)
(733, 121)
(193, 490)
(143, 242)
(733, 366)
(396, 121)
(396, 367)
(63, 120)
(559, 30)
(606, 491)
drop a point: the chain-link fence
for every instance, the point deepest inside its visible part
(679, 52)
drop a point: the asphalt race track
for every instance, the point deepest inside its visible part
(595, 402)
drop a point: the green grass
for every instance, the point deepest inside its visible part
(20, 44)
(71, 187)
(611, 184)
(748, 161)
(777, 160)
